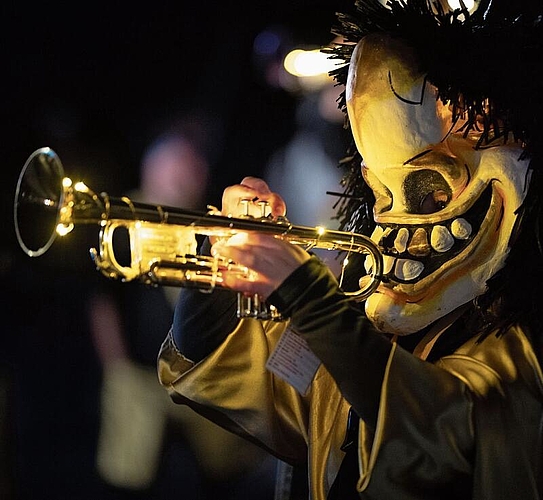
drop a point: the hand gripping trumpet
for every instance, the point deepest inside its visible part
(162, 240)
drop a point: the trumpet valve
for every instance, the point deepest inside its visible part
(263, 206)
(253, 306)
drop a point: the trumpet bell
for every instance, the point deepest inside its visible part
(38, 198)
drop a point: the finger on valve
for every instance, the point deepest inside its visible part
(252, 198)
(269, 261)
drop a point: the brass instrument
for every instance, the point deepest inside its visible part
(162, 240)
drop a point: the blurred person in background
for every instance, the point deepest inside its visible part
(318, 142)
(148, 447)
(305, 171)
(311, 156)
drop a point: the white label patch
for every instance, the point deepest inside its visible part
(293, 361)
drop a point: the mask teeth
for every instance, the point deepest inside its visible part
(461, 229)
(420, 244)
(441, 239)
(408, 269)
(388, 263)
(404, 269)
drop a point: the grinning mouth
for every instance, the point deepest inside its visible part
(413, 252)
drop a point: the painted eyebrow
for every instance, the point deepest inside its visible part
(417, 156)
(403, 99)
(429, 156)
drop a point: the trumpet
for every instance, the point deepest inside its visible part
(163, 241)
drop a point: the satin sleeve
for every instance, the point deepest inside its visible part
(232, 387)
(339, 334)
(459, 428)
(455, 428)
(203, 319)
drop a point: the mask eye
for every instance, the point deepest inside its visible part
(434, 202)
(426, 192)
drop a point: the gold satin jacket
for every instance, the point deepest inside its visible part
(467, 426)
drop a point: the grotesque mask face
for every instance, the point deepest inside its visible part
(444, 210)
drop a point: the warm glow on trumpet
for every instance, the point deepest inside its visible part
(81, 187)
(64, 229)
(162, 244)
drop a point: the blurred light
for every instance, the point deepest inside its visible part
(267, 43)
(81, 187)
(471, 5)
(64, 229)
(308, 63)
(455, 4)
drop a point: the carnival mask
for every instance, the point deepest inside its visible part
(445, 208)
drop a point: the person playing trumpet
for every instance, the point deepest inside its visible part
(432, 387)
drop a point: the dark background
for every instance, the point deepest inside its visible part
(94, 81)
(94, 78)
